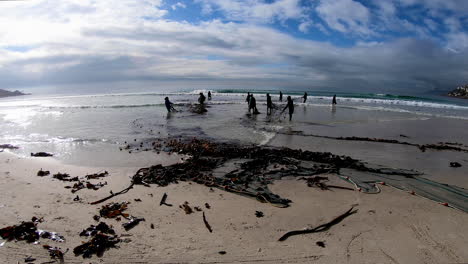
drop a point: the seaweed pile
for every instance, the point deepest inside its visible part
(113, 210)
(98, 244)
(55, 253)
(28, 232)
(249, 168)
(102, 236)
(79, 183)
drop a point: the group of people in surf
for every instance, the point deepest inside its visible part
(252, 103)
(201, 101)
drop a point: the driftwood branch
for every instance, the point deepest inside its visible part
(163, 200)
(113, 194)
(319, 228)
(207, 224)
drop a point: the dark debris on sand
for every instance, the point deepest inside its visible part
(455, 164)
(64, 177)
(134, 221)
(113, 210)
(97, 175)
(55, 253)
(42, 173)
(97, 245)
(41, 154)
(102, 236)
(99, 228)
(28, 231)
(86, 185)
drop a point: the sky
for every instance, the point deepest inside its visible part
(406, 46)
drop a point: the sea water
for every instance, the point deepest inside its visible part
(89, 129)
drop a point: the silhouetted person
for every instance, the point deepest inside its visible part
(269, 104)
(253, 105)
(169, 104)
(334, 99)
(209, 95)
(290, 106)
(305, 97)
(248, 100)
(281, 97)
(201, 99)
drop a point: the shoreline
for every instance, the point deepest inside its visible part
(389, 226)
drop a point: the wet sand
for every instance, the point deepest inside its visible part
(390, 227)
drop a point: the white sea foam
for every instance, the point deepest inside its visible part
(267, 137)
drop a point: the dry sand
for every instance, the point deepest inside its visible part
(390, 227)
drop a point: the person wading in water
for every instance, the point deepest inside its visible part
(269, 104)
(290, 106)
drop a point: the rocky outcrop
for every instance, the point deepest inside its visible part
(5, 93)
(460, 92)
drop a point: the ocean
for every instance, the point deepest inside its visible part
(89, 129)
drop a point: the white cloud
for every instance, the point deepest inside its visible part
(305, 26)
(178, 5)
(346, 16)
(457, 41)
(255, 10)
(458, 6)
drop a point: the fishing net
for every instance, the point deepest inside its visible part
(456, 197)
(248, 170)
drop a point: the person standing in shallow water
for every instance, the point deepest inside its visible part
(269, 104)
(290, 106)
(209, 95)
(201, 99)
(305, 97)
(334, 100)
(281, 97)
(169, 104)
(248, 100)
(253, 105)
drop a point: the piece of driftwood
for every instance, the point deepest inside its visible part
(113, 195)
(206, 223)
(163, 200)
(319, 228)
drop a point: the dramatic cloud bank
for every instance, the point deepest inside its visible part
(373, 45)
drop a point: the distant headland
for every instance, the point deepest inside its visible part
(460, 92)
(5, 93)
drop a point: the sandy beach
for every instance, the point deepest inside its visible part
(390, 227)
(234, 131)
